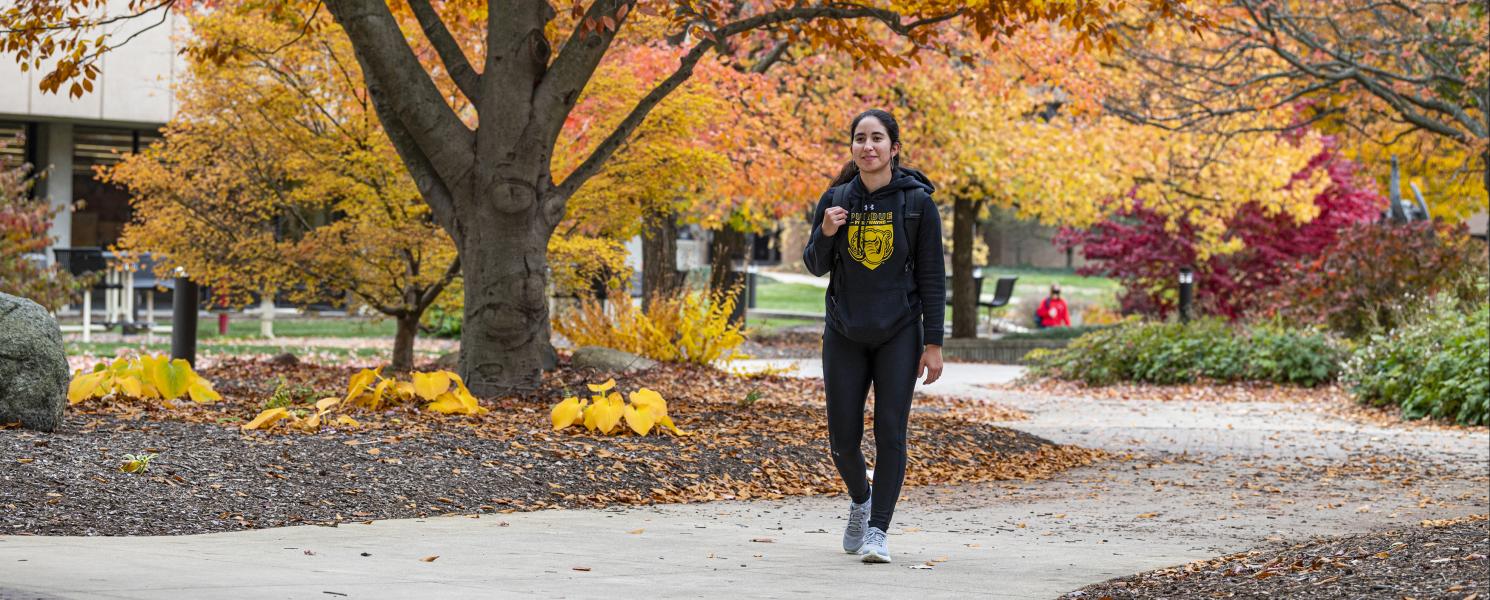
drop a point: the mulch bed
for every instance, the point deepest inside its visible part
(398, 463)
(1437, 559)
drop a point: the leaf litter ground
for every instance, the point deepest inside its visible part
(1434, 559)
(402, 463)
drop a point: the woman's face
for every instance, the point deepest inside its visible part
(872, 148)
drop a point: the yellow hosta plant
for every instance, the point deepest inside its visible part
(444, 391)
(301, 419)
(605, 411)
(368, 388)
(143, 377)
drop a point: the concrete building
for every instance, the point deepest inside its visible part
(66, 138)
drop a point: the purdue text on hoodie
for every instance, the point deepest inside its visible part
(886, 261)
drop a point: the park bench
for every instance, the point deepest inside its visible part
(1003, 291)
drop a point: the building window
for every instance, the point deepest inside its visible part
(102, 209)
(18, 146)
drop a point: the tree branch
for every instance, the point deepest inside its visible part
(566, 77)
(433, 291)
(555, 199)
(425, 130)
(449, 50)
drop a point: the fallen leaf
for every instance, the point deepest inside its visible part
(763, 540)
(637, 530)
(429, 558)
(580, 568)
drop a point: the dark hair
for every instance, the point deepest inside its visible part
(850, 170)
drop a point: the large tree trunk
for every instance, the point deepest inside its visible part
(660, 257)
(403, 343)
(504, 340)
(964, 296)
(728, 246)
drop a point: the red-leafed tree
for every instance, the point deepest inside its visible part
(1139, 248)
(24, 223)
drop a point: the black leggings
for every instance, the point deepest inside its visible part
(848, 369)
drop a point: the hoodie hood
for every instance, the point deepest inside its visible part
(907, 178)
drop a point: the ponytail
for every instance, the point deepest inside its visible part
(846, 174)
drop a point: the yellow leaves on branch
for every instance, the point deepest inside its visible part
(369, 389)
(605, 412)
(689, 328)
(144, 377)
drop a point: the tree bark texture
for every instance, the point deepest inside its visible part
(964, 296)
(660, 257)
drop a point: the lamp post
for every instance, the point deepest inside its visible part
(1187, 292)
(184, 319)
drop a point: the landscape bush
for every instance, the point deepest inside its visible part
(1376, 277)
(1437, 366)
(1205, 350)
(690, 327)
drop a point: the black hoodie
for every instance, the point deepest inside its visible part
(879, 283)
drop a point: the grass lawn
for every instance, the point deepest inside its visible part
(247, 327)
(163, 345)
(1032, 285)
(243, 338)
(1031, 279)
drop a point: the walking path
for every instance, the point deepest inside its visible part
(1209, 478)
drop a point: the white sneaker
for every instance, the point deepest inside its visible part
(875, 550)
(858, 523)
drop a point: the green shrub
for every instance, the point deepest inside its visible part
(1435, 367)
(1175, 353)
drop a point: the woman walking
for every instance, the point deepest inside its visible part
(878, 232)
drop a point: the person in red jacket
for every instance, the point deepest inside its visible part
(1053, 312)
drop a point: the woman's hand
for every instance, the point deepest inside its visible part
(834, 218)
(931, 364)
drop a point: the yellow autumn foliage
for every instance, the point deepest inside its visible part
(369, 389)
(606, 411)
(143, 377)
(692, 328)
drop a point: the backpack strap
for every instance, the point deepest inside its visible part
(911, 217)
(840, 196)
(840, 199)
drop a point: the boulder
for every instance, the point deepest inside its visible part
(33, 365)
(610, 360)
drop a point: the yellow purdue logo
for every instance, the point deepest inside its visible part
(871, 238)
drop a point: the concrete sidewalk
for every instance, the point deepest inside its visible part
(1026, 540)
